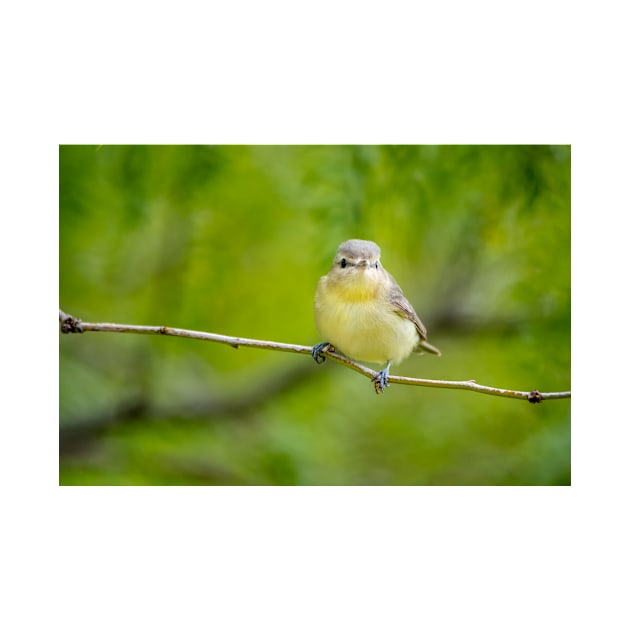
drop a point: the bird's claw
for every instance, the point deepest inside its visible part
(317, 350)
(380, 382)
(381, 379)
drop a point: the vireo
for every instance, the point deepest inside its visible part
(361, 311)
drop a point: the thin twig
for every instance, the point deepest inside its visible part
(70, 324)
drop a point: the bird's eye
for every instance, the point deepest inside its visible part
(344, 263)
(376, 264)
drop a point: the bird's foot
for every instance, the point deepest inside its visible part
(381, 379)
(317, 350)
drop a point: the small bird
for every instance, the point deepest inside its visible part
(361, 310)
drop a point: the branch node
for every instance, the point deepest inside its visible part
(69, 324)
(534, 397)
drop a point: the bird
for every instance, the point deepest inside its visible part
(361, 311)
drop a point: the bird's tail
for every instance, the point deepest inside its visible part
(425, 346)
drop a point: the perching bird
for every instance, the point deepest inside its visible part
(361, 310)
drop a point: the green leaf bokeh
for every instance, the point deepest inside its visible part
(232, 240)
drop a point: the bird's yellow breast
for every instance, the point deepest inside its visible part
(357, 318)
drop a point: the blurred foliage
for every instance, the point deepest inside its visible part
(232, 240)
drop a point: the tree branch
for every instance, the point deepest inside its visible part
(69, 324)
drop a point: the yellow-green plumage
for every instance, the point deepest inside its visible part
(361, 310)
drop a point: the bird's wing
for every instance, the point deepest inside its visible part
(404, 309)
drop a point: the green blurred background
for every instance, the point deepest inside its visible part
(233, 239)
